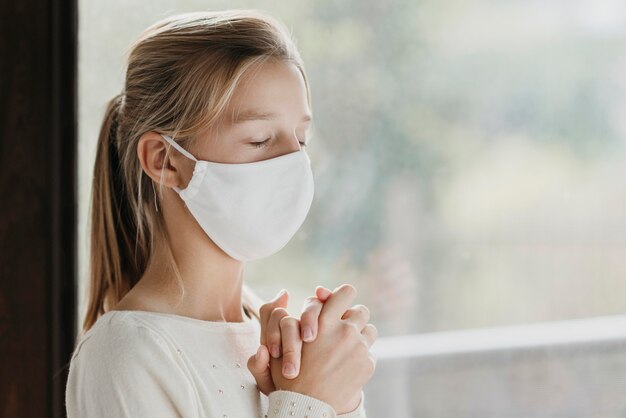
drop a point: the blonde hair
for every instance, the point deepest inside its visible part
(181, 74)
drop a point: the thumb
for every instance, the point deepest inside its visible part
(258, 365)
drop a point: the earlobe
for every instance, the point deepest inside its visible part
(159, 164)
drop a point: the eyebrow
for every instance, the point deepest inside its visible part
(249, 115)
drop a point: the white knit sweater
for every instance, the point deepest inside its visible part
(149, 364)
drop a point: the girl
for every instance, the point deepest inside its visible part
(201, 167)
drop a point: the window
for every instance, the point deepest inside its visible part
(468, 159)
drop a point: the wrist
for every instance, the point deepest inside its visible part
(351, 405)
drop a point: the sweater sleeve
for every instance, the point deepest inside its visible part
(287, 404)
(128, 371)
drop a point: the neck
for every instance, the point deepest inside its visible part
(212, 280)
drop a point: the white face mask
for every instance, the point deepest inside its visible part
(249, 210)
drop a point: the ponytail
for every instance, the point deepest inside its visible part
(113, 268)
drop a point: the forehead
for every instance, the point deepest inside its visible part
(273, 88)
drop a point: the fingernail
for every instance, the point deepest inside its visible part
(275, 351)
(258, 354)
(308, 333)
(289, 369)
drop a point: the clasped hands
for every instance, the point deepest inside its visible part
(324, 354)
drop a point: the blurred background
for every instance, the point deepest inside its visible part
(469, 164)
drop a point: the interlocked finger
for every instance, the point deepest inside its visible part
(338, 302)
(310, 317)
(273, 332)
(370, 333)
(358, 315)
(292, 346)
(280, 301)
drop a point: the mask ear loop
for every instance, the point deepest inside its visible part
(181, 150)
(155, 195)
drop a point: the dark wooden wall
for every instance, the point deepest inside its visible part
(37, 204)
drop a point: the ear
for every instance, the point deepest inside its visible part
(163, 164)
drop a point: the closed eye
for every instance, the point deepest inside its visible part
(261, 143)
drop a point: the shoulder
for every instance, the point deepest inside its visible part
(122, 367)
(117, 336)
(122, 350)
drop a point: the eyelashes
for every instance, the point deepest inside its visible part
(266, 143)
(261, 144)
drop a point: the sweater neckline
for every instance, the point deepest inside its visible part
(248, 323)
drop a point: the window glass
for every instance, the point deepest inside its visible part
(468, 155)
